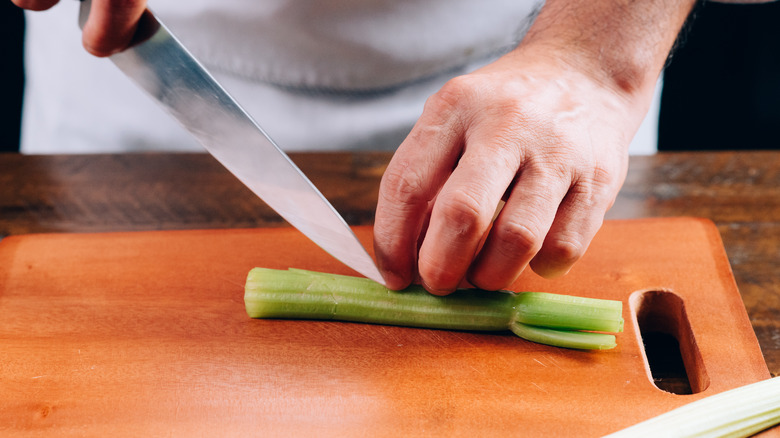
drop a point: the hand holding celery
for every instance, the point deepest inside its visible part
(559, 320)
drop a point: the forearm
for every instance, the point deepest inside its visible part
(623, 44)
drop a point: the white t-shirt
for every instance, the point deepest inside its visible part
(317, 75)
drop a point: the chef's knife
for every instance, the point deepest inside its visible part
(166, 70)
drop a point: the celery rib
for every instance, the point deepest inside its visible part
(564, 338)
(546, 318)
(739, 412)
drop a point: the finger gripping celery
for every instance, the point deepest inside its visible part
(559, 320)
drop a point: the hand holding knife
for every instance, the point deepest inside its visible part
(158, 63)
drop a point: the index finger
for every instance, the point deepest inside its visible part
(409, 185)
(111, 25)
(35, 5)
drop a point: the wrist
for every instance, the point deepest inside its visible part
(623, 47)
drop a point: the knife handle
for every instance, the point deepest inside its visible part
(86, 6)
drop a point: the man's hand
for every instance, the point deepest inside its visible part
(110, 27)
(546, 139)
(546, 128)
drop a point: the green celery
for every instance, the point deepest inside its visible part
(736, 413)
(553, 319)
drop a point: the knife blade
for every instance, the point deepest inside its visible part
(159, 64)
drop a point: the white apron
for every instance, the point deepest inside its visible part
(317, 75)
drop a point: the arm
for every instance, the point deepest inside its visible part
(545, 128)
(111, 24)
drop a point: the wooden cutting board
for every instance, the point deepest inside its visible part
(145, 334)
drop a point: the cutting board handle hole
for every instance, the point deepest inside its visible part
(672, 357)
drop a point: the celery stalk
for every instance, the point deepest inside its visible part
(559, 320)
(564, 338)
(736, 413)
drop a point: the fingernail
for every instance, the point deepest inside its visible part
(551, 272)
(436, 291)
(394, 281)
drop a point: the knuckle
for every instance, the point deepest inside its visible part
(554, 164)
(597, 189)
(451, 95)
(456, 88)
(463, 210)
(402, 184)
(603, 178)
(502, 156)
(515, 239)
(564, 250)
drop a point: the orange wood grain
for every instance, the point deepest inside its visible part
(145, 334)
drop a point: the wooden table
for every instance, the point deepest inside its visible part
(740, 192)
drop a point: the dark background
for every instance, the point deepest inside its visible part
(11, 75)
(721, 88)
